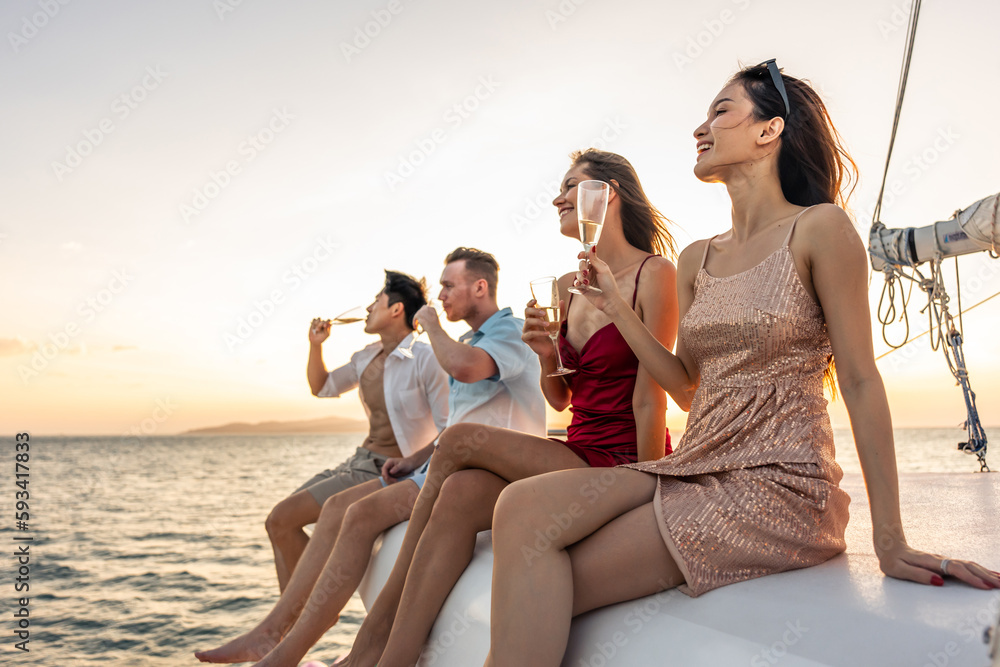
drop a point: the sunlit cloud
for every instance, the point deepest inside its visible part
(12, 347)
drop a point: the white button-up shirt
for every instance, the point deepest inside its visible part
(416, 391)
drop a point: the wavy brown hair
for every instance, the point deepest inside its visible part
(644, 226)
(814, 166)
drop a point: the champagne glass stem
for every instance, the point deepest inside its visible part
(555, 342)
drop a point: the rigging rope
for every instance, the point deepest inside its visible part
(941, 325)
(924, 333)
(911, 34)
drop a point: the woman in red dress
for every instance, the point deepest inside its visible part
(618, 415)
(752, 488)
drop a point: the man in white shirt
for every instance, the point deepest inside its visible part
(405, 400)
(493, 380)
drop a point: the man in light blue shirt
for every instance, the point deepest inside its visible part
(493, 380)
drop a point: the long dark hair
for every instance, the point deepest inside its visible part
(813, 165)
(644, 226)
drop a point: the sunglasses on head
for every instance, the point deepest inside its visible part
(779, 83)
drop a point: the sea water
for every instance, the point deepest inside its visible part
(147, 550)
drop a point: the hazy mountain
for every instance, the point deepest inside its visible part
(324, 425)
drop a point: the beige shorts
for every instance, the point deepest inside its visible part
(363, 467)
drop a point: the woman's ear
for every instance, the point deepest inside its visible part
(613, 192)
(774, 128)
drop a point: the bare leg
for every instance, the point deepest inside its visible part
(444, 551)
(259, 641)
(364, 522)
(284, 528)
(538, 587)
(511, 455)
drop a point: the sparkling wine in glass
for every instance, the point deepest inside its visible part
(546, 294)
(356, 314)
(591, 207)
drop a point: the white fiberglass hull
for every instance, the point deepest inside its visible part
(843, 612)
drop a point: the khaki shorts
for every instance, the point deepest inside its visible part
(363, 467)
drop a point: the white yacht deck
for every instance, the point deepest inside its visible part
(844, 612)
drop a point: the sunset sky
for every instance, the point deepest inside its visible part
(187, 184)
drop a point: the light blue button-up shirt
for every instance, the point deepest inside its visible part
(510, 399)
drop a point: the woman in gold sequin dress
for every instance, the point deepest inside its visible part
(753, 486)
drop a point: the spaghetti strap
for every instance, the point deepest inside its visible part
(635, 292)
(791, 229)
(704, 255)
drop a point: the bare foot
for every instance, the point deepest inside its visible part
(358, 657)
(283, 655)
(254, 645)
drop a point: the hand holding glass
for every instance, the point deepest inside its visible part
(356, 314)
(417, 330)
(546, 294)
(591, 207)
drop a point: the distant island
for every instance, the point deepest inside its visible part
(324, 425)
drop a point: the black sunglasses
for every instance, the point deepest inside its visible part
(779, 83)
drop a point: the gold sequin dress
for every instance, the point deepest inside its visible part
(752, 488)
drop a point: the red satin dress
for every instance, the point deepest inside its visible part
(603, 431)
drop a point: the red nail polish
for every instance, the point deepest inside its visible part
(937, 580)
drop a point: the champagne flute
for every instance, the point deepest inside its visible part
(546, 294)
(591, 207)
(417, 331)
(356, 314)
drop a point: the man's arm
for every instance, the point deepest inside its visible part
(319, 331)
(395, 468)
(462, 362)
(435, 383)
(323, 383)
